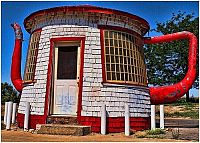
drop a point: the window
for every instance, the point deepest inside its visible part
(32, 56)
(124, 58)
(67, 62)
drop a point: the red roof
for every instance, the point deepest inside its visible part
(86, 8)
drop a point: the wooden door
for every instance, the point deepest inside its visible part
(65, 80)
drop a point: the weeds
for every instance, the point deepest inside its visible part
(175, 133)
(192, 114)
(156, 132)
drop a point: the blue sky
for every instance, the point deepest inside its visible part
(17, 11)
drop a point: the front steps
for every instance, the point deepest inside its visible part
(62, 120)
(56, 129)
(62, 125)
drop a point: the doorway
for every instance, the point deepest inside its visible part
(66, 75)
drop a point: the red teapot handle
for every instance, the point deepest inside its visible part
(169, 94)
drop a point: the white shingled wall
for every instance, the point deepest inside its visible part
(94, 93)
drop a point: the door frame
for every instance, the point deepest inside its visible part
(50, 77)
(58, 45)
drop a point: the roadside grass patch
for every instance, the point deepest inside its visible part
(192, 114)
(157, 133)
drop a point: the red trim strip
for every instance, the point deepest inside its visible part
(116, 124)
(33, 120)
(102, 55)
(81, 79)
(48, 86)
(49, 74)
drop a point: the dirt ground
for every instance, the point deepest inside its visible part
(186, 135)
(21, 136)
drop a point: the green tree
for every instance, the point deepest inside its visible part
(8, 93)
(167, 62)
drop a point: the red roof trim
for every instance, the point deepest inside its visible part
(86, 8)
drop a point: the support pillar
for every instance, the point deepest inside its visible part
(14, 113)
(153, 120)
(127, 120)
(103, 119)
(9, 115)
(5, 113)
(162, 124)
(26, 116)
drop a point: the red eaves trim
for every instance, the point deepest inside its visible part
(86, 8)
(49, 73)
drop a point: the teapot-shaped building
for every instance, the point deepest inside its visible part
(82, 57)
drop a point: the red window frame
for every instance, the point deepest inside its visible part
(35, 61)
(106, 27)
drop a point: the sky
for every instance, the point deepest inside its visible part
(17, 11)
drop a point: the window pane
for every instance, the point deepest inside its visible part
(124, 57)
(29, 71)
(67, 62)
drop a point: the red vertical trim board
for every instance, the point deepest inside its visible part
(48, 85)
(102, 55)
(81, 79)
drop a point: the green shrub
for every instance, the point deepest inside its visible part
(156, 132)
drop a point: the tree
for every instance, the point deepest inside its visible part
(8, 93)
(167, 62)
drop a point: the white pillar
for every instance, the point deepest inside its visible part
(26, 116)
(162, 117)
(9, 115)
(14, 112)
(103, 119)
(6, 112)
(153, 120)
(127, 121)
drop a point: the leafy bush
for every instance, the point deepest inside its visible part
(8, 93)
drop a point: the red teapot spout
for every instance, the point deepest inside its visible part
(169, 94)
(16, 59)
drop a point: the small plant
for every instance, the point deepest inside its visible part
(175, 133)
(156, 132)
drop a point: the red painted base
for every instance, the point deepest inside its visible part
(114, 124)
(33, 120)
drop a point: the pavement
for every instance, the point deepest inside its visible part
(179, 123)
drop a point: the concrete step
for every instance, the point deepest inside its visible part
(57, 129)
(62, 120)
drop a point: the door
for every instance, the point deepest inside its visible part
(65, 80)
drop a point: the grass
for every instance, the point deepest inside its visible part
(192, 114)
(155, 132)
(190, 109)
